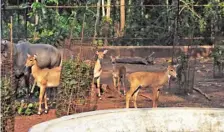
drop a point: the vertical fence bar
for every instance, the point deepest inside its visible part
(1, 59)
(25, 24)
(7, 88)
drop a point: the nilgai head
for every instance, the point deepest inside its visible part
(101, 54)
(31, 60)
(115, 72)
(113, 59)
(172, 70)
(5, 48)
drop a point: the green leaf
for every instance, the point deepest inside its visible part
(30, 105)
(28, 111)
(21, 110)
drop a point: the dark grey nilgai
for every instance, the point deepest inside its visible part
(48, 57)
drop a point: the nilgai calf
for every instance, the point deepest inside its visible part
(98, 70)
(44, 77)
(155, 80)
(119, 75)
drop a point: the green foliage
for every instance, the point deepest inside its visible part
(157, 25)
(26, 108)
(218, 60)
(6, 96)
(52, 25)
(218, 54)
(182, 67)
(184, 74)
(98, 42)
(76, 80)
(7, 104)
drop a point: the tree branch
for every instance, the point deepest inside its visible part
(202, 93)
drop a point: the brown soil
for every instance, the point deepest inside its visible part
(168, 98)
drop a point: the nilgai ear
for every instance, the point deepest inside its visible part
(105, 51)
(97, 52)
(35, 56)
(175, 66)
(3, 42)
(169, 60)
(28, 55)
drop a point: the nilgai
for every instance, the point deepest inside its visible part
(45, 78)
(48, 57)
(155, 80)
(119, 75)
(98, 70)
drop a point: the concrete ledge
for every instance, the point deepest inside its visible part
(138, 120)
(140, 51)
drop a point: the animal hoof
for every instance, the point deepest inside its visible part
(46, 111)
(99, 97)
(39, 113)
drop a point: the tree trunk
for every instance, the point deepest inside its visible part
(142, 8)
(122, 16)
(108, 8)
(36, 22)
(97, 19)
(129, 10)
(103, 8)
(36, 17)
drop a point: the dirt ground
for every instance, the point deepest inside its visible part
(204, 80)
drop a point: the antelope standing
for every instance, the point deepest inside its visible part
(98, 70)
(44, 78)
(118, 74)
(155, 80)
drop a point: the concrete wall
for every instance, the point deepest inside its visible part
(138, 120)
(140, 51)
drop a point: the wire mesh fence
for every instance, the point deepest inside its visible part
(218, 61)
(7, 93)
(75, 93)
(85, 28)
(145, 23)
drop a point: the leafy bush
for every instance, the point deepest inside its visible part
(217, 54)
(23, 108)
(7, 104)
(76, 80)
(218, 59)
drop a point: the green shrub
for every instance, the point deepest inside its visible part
(217, 54)
(7, 104)
(24, 108)
(75, 85)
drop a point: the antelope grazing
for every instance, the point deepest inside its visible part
(155, 80)
(44, 78)
(98, 70)
(118, 74)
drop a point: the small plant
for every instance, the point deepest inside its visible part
(26, 108)
(218, 61)
(7, 104)
(184, 74)
(76, 81)
(217, 53)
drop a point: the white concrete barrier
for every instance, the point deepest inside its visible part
(138, 120)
